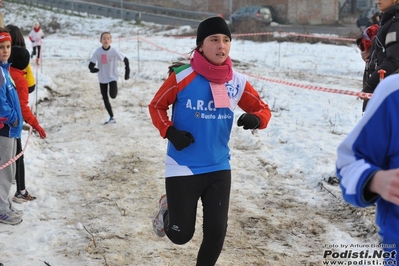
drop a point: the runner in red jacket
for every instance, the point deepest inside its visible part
(19, 60)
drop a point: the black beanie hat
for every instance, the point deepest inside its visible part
(213, 25)
(19, 57)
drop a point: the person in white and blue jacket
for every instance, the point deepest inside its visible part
(203, 96)
(10, 110)
(368, 161)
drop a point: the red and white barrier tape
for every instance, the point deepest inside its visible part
(19, 154)
(315, 88)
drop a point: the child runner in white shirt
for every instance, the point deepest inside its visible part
(106, 58)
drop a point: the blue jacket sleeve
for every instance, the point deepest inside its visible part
(371, 146)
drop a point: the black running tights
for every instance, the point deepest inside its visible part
(20, 168)
(113, 91)
(183, 193)
(38, 51)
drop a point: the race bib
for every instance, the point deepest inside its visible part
(104, 58)
(220, 97)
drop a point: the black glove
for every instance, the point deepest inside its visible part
(127, 72)
(179, 138)
(92, 68)
(249, 121)
(127, 68)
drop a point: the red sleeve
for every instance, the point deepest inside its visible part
(158, 107)
(23, 94)
(251, 103)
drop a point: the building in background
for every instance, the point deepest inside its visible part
(307, 12)
(311, 12)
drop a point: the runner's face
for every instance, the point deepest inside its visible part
(5, 50)
(106, 40)
(216, 48)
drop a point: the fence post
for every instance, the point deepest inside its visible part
(138, 52)
(122, 9)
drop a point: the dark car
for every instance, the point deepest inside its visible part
(252, 16)
(368, 17)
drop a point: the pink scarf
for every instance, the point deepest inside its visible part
(217, 74)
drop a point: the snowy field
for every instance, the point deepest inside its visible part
(97, 186)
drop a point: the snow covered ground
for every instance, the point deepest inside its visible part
(97, 186)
